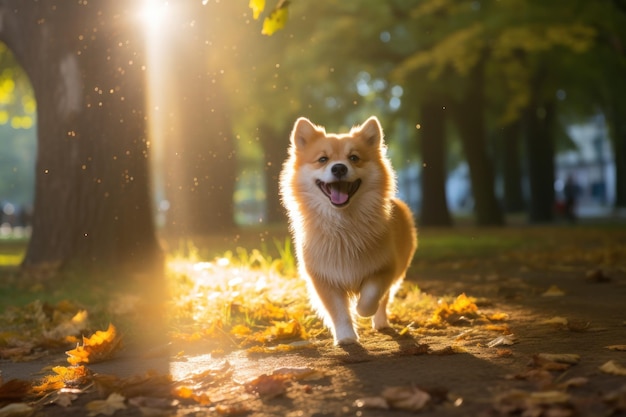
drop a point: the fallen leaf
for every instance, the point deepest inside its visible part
(64, 397)
(372, 402)
(549, 397)
(613, 368)
(555, 320)
(100, 346)
(553, 291)
(188, 393)
(408, 398)
(267, 386)
(620, 348)
(64, 376)
(14, 390)
(575, 382)
(16, 410)
(506, 340)
(107, 407)
(569, 358)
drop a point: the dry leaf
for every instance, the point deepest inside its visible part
(64, 396)
(100, 346)
(16, 410)
(569, 358)
(613, 368)
(506, 340)
(267, 386)
(555, 320)
(63, 377)
(14, 390)
(553, 291)
(106, 407)
(408, 398)
(372, 402)
(620, 348)
(188, 393)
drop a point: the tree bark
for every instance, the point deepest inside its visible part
(275, 146)
(469, 115)
(434, 210)
(92, 199)
(539, 142)
(512, 168)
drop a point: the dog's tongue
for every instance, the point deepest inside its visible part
(339, 192)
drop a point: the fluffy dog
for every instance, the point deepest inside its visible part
(354, 240)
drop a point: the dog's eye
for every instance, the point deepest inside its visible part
(354, 158)
(323, 159)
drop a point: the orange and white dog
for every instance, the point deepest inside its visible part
(354, 240)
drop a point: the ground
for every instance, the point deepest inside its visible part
(531, 291)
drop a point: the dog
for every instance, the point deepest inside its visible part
(354, 240)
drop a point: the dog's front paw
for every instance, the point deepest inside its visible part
(345, 335)
(346, 341)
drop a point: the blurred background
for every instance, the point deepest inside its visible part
(490, 108)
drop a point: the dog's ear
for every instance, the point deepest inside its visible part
(372, 132)
(303, 131)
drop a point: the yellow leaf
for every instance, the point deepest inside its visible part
(276, 20)
(64, 376)
(257, 7)
(100, 346)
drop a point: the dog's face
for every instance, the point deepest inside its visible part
(338, 168)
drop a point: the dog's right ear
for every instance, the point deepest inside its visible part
(303, 131)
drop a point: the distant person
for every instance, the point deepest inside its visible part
(570, 192)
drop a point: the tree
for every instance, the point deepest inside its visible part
(86, 64)
(433, 145)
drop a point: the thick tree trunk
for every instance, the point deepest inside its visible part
(539, 142)
(92, 201)
(274, 152)
(469, 114)
(512, 168)
(434, 210)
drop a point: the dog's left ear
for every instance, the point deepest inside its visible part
(372, 132)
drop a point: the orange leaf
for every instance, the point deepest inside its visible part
(100, 346)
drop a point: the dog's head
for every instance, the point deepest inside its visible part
(339, 168)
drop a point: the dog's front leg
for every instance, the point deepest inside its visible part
(336, 304)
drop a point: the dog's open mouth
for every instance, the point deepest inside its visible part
(339, 192)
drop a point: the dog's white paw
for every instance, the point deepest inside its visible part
(346, 341)
(345, 335)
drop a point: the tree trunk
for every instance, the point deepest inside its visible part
(539, 142)
(274, 152)
(511, 168)
(619, 150)
(434, 210)
(469, 115)
(92, 200)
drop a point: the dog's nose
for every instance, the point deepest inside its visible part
(339, 170)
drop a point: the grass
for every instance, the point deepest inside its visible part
(242, 290)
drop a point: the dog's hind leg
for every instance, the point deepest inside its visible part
(380, 321)
(371, 293)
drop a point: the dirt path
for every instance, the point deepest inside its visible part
(569, 300)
